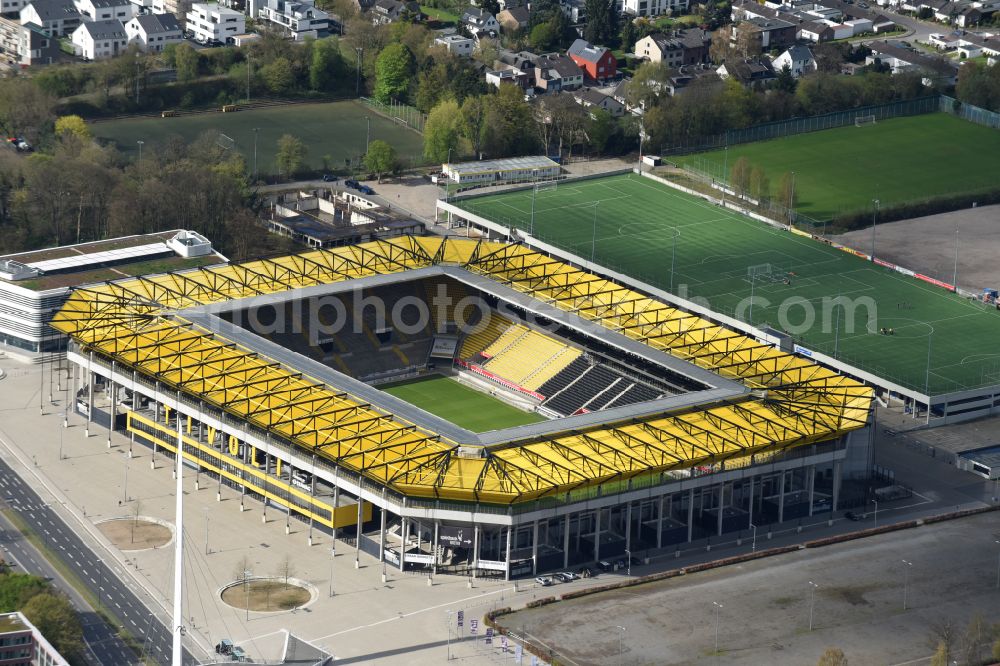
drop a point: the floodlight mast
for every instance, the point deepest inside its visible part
(177, 651)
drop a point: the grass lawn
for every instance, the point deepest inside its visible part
(638, 221)
(463, 406)
(335, 129)
(441, 15)
(844, 169)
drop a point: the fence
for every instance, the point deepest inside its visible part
(399, 112)
(783, 128)
(970, 112)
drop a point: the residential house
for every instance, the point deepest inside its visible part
(96, 40)
(513, 19)
(574, 10)
(595, 61)
(298, 19)
(152, 32)
(652, 7)
(769, 33)
(934, 71)
(212, 23)
(750, 10)
(815, 31)
(480, 23)
(456, 44)
(105, 10)
(496, 77)
(591, 98)
(751, 73)
(58, 18)
(557, 72)
(798, 58)
(384, 12)
(26, 45)
(683, 47)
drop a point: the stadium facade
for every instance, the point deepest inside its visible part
(685, 429)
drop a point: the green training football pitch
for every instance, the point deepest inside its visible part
(463, 406)
(700, 251)
(337, 130)
(895, 161)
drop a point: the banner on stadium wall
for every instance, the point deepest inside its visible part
(851, 250)
(906, 271)
(797, 232)
(883, 262)
(803, 351)
(455, 537)
(935, 282)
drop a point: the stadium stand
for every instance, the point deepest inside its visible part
(477, 341)
(530, 354)
(585, 384)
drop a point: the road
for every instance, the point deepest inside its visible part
(102, 581)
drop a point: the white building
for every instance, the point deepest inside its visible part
(105, 10)
(512, 169)
(152, 32)
(96, 40)
(212, 23)
(58, 18)
(457, 44)
(799, 60)
(652, 7)
(296, 19)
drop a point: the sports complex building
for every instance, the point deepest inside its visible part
(623, 423)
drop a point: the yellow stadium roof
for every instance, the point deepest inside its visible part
(139, 323)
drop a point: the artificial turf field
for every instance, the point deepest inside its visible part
(638, 220)
(843, 170)
(463, 406)
(334, 129)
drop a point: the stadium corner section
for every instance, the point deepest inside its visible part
(262, 416)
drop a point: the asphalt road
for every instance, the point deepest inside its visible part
(102, 581)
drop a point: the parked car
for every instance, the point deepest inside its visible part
(604, 565)
(568, 575)
(225, 646)
(850, 515)
(351, 183)
(20, 144)
(544, 581)
(561, 577)
(364, 189)
(330, 178)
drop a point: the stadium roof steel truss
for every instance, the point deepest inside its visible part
(139, 323)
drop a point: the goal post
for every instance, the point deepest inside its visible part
(862, 121)
(546, 186)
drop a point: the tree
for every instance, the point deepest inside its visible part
(135, 517)
(739, 178)
(187, 62)
(760, 185)
(442, 131)
(72, 126)
(326, 64)
(473, 125)
(629, 35)
(278, 76)
(291, 152)
(381, 158)
(941, 656)
(286, 569)
(786, 193)
(508, 129)
(392, 72)
(832, 657)
(543, 36)
(602, 22)
(25, 109)
(55, 618)
(785, 81)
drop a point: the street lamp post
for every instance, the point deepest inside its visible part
(906, 580)
(448, 622)
(874, 219)
(125, 486)
(246, 586)
(718, 607)
(876, 512)
(628, 562)
(140, 142)
(333, 555)
(812, 602)
(621, 642)
(753, 548)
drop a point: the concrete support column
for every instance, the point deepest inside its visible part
(507, 571)
(781, 497)
(628, 527)
(722, 499)
(566, 542)
(111, 409)
(402, 548)
(90, 396)
(434, 547)
(381, 535)
(690, 515)
(751, 503)
(811, 485)
(837, 465)
(534, 548)
(597, 535)
(336, 505)
(659, 521)
(357, 534)
(475, 553)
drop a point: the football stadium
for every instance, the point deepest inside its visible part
(912, 337)
(464, 405)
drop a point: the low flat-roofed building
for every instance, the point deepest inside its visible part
(33, 285)
(512, 169)
(21, 643)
